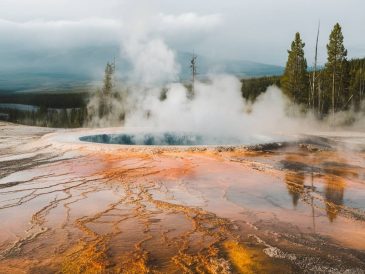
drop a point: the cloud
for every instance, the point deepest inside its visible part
(97, 30)
(250, 29)
(185, 31)
(59, 33)
(189, 21)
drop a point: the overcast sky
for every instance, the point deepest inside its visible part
(257, 30)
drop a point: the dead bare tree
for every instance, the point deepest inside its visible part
(320, 103)
(315, 72)
(362, 81)
(193, 72)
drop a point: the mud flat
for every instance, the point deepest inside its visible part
(68, 206)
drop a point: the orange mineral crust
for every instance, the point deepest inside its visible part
(73, 207)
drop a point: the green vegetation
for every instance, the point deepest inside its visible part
(46, 117)
(252, 88)
(105, 95)
(105, 107)
(295, 82)
(338, 86)
(68, 99)
(336, 73)
(357, 82)
(46, 109)
(61, 110)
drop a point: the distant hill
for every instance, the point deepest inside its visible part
(63, 69)
(240, 68)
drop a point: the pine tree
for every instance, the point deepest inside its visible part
(336, 72)
(108, 78)
(105, 96)
(295, 79)
(357, 83)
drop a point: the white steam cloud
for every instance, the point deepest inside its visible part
(217, 108)
(152, 62)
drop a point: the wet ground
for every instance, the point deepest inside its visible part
(73, 207)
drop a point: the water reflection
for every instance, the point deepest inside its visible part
(295, 185)
(334, 194)
(300, 169)
(335, 184)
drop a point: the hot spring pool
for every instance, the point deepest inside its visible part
(160, 139)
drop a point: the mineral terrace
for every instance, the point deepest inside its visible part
(68, 206)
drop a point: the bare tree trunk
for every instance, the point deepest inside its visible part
(320, 99)
(333, 97)
(193, 72)
(361, 83)
(315, 69)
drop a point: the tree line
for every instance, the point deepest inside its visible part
(60, 110)
(69, 98)
(338, 86)
(46, 117)
(251, 88)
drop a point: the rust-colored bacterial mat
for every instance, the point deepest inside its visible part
(68, 206)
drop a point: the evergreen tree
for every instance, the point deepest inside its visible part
(64, 119)
(73, 117)
(295, 79)
(357, 82)
(105, 96)
(336, 72)
(108, 78)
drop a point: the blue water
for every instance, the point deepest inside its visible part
(19, 107)
(159, 139)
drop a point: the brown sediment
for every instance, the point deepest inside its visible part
(103, 209)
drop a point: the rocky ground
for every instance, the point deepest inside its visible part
(72, 207)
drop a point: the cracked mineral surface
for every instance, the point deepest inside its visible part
(68, 206)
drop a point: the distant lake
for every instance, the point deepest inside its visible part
(23, 107)
(19, 107)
